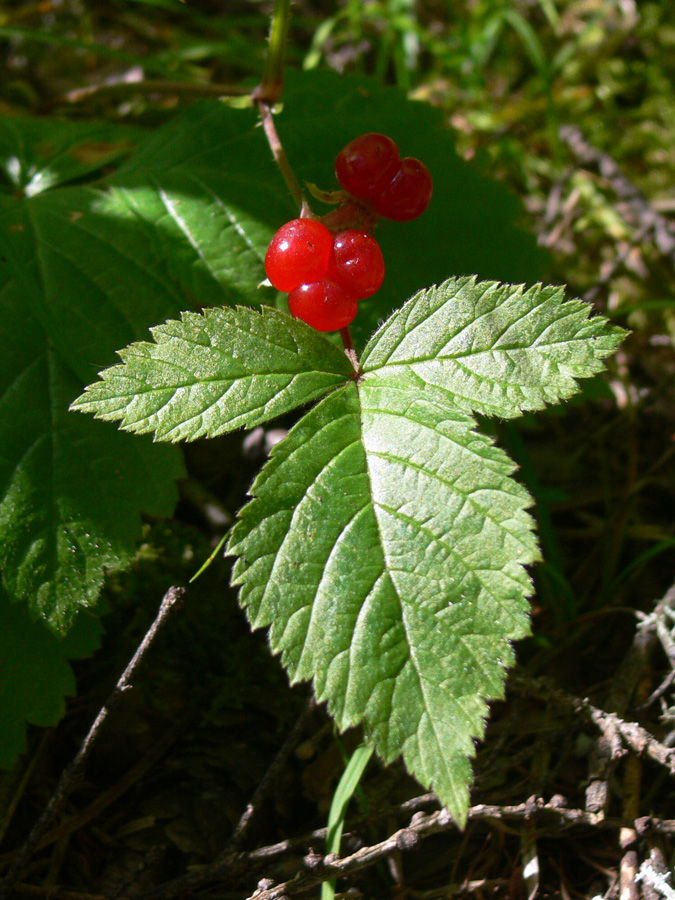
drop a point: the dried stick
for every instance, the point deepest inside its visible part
(547, 817)
(632, 784)
(267, 782)
(637, 738)
(149, 86)
(74, 772)
(608, 749)
(421, 825)
(240, 863)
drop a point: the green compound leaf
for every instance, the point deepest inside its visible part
(386, 540)
(216, 372)
(385, 549)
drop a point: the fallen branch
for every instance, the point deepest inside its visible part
(534, 811)
(634, 736)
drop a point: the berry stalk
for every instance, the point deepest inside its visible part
(269, 91)
(350, 352)
(279, 153)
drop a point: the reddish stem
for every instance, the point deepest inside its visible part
(279, 153)
(350, 352)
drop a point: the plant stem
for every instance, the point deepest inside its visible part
(350, 352)
(265, 95)
(279, 153)
(273, 73)
(346, 336)
(269, 91)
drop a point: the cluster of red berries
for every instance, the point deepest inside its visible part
(327, 273)
(370, 168)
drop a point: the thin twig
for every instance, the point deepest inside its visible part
(548, 817)
(268, 780)
(643, 642)
(74, 772)
(608, 748)
(149, 86)
(637, 738)
(423, 825)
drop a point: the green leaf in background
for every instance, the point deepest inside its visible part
(72, 491)
(87, 272)
(35, 156)
(71, 494)
(207, 186)
(212, 373)
(386, 540)
(34, 673)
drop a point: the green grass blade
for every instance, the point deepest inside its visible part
(338, 808)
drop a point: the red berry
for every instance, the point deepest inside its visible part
(324, 305)
(298, 254)
(367, 164)
(408, 194)
(357, 263)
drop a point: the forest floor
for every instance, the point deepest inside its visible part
(212, 777)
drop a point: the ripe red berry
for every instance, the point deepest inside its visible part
(298, 254)
(357, 263)
(324, 305)
(408, 194)
(367, 164)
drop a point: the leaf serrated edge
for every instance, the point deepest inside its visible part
(95, 394)
(453, 286)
